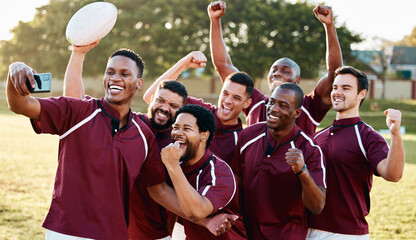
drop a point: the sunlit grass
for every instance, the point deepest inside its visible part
(28, 165)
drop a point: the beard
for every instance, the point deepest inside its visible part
(156, 125)
(190, 152)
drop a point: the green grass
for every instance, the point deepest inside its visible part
(28, 165)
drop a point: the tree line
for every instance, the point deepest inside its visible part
(162, 31)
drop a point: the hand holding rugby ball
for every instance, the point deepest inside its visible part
(91, 23)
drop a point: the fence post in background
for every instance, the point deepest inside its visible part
(413, 89)
(212, 90)
(372, 88)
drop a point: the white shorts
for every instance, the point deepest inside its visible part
(178, 232)
(315, 234)
(51, 235)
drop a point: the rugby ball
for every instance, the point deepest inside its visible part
(91, 23)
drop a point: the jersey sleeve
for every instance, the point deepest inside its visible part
(315, 162)
(377, 149)
(313, 104)
(153, 170)
(200, 102)
(220, 187)
(59, 114)
(256, 112)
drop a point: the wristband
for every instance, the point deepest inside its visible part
(301, 171)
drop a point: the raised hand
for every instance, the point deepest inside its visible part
(393, 120)
(19, 72)
(195, 59)
(86, 48)
(324, 14)
(216, 9)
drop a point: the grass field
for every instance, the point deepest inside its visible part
(28, 165)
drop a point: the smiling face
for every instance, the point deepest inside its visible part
(121, 80)
(233, 99)
(282, 71)
(282, 109)
(345, 96)
(186, 132)
(163, 108)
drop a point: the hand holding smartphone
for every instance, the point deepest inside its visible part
(43, 83)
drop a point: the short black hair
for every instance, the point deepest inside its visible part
(176, 87)
(133, 56)
(362, 81)
(243, 79)
(298, 92)
(204, 119)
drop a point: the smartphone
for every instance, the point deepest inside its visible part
(43, 83)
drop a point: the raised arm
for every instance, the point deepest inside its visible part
(220, 57)
(195, 59)
(18, 96)
(313, 196)
(391, 168)
(73, 84)
(333, 53)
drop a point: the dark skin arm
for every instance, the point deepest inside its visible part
(313, 196)
(18, 96)
(166, 196)
(220, 57)
(333, 53)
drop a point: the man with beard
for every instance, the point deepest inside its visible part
(204, 184)
(354, 151)
(280, 170)
(315, 105)
(234, 97)
(147, 219)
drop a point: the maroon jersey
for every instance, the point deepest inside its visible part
(225, 136)
(214, 179)
(272, 193)
(147, 219)
(98, 163)
(313, 111)
(352, 151)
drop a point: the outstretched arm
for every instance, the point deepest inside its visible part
(333, 53)
(220, 57)
(18, 96)
(392, 167)
(195, 59)
(313, 196)
(73, 84)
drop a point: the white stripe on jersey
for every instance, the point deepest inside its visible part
(144, 138)
(322, 131)
(310, 117)
(235, 138)
(322, 156)
(78, 125)
(360, 143)
(254, 107)
(213, 178)
(197, 179)
(251, 141)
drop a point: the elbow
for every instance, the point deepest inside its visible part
(318, 208)
(394, 178)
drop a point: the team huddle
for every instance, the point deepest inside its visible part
(186, 162)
